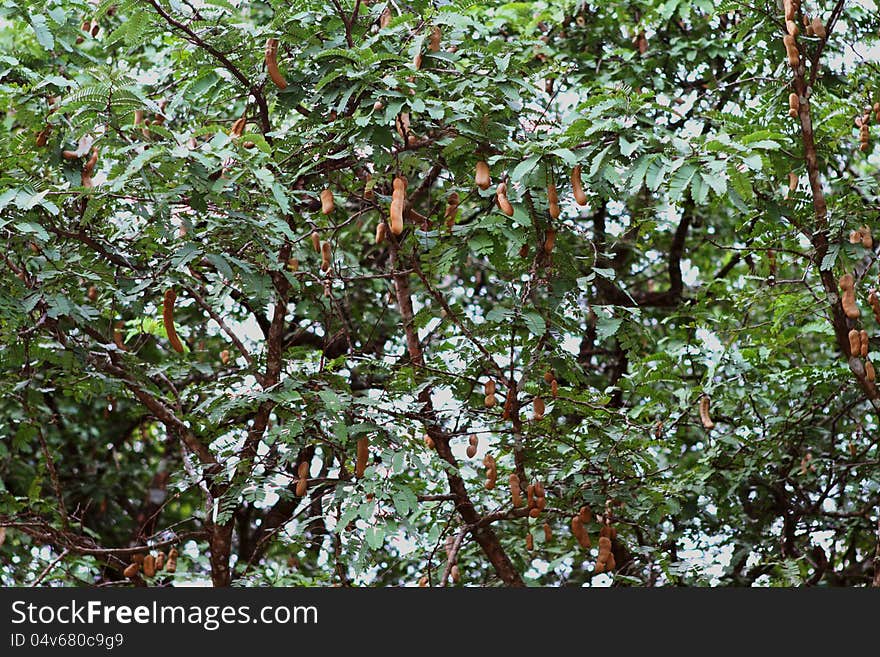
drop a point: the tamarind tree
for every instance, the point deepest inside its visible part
(338, 292)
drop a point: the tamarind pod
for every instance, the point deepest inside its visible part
(326, 201)
(604, 544)
(137, 558)
(515, 491)
(855, 237)
(501, 199)
(481, 176)
(423, 581)
(434, 41)
(538, 409)
(848, 302)
(171, 566)
(293, 265)
(794, 104)
(489, 401)
(554, 210)
(524, 251)
(451, 209)
(69, 155)
(316, 241)
(577, 186)
(540, 504)
(381, 231)
(550, 241)
(789, 8)
(302, 487)
(138, 117)
(172, 554)
(92, 293)
(89, 166)
(870, 374)
(792, 181)
(131, 570)
(363, 452)
(490, 481)
(552, 195)
(271, 56)
(549, 376)
(585, 514)
(846, 282)
(429, 442)
(385, 17)
(704, 413)
(854, 343)
(605, 530)
(554, 389)
(535, 512)
(864, 146)
(471, 451)
(818, 27)
(396, 216)
(539, 489)
(867, 239)
(875, 107)
(548, 532)
(117, 336)
(792, 28)
(417, 61)
(224, 356)
(791, 50)
(600, 567)
(325, 256)
(238, 127)
(611, 564)
(864, 343)
(530, 495)
(149, 565)
(489, 387)
(168, 320)
(86, 180)
(874, 301)
(160, 561)
(43, 136)
(530, 542)
(455, 573)
(473, 439)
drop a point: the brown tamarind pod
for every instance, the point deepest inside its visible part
(610, 563)
(381, 232)
(789, 7)
(874, 301)
(855, 237)
(172, 554)
(604, 544)
(530, 495)
(866, 238)
(325, 256)
(451, 209)
(238, 126)
(515, 490)
(224, 356)
(149, 565)
(585, 514)
(864, 343)
(854, 343)
(423, 581)
(534, 512)
(577, 186)
(792, 181)
(434, 41)
(168, 320)
(549, 376)
(92, 293)
(396, 216)
(326, 201)
(530, 542)
(791, 50)
(501, 199)
(848, 297)
(537, 409)
(429, 442)
(131, 570)
(43, 136)
(117, 336)
(271, 58)
(818, 27)
(69, 155)
(481, 177)
(302, 484)
(489, 401)
(869, 371)
(794, 104)
(539, 490)
(455, 573)
(385, 17)
(160, 561)
(316, 241)
(792, 28)
(548, 532)
(293, 265)
(363, 452)
(554, 389)
(171, 565)
(708, 425)
(471, 451)
(489, 387)
(550, 241)
(138, 558)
